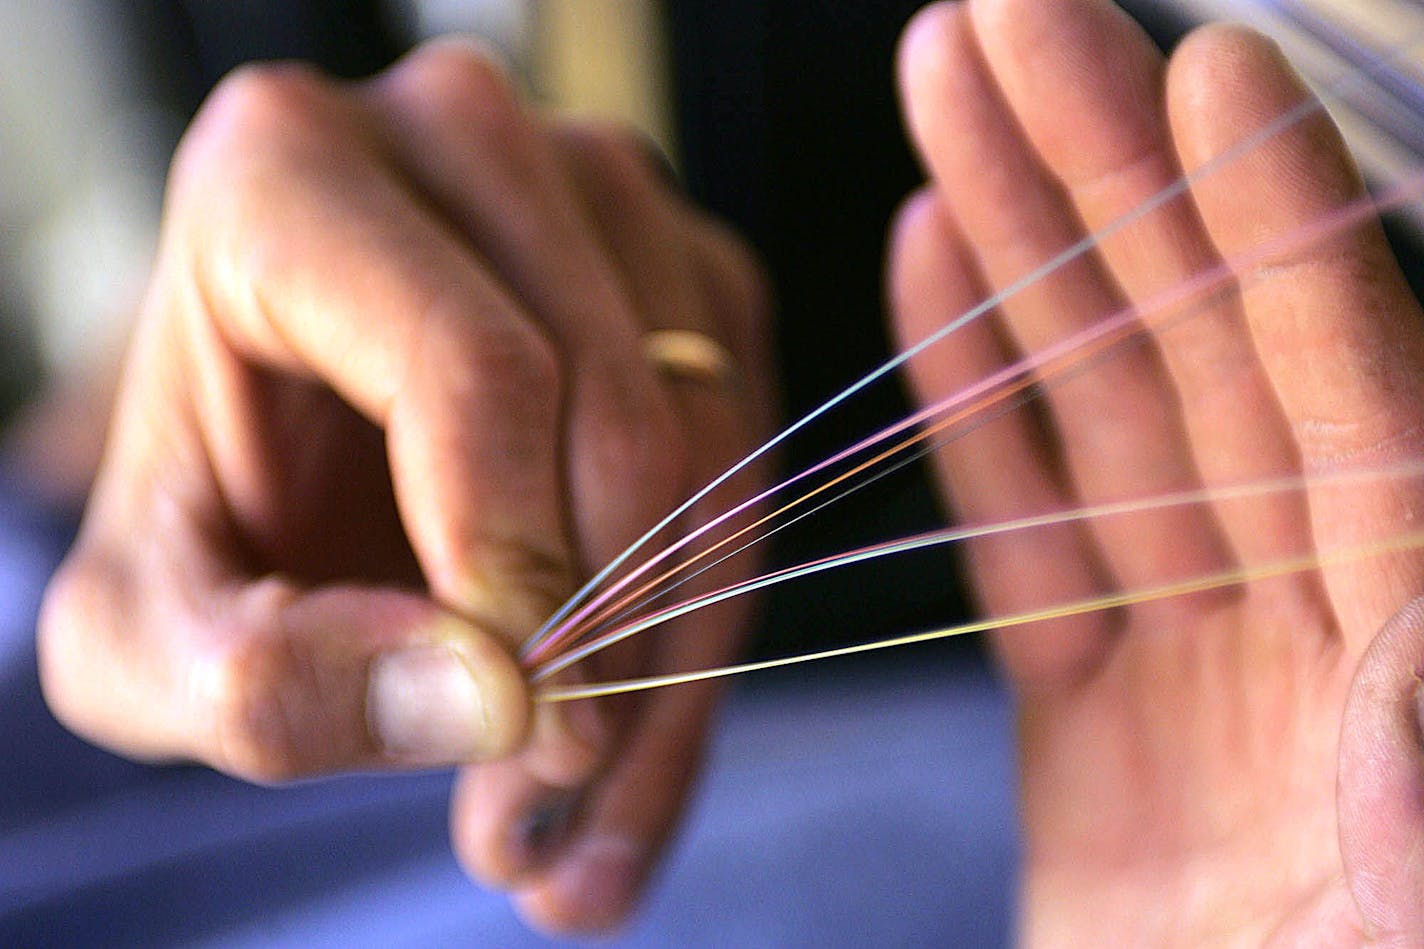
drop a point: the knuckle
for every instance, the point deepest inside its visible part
(255, 124)
(737, 279)
(527, 363)
(472, 853)
(70, 614)
(505, 362)
(641, 434)
(620, 156)
(510, 586)
(262, 103)
(1370, 438)
(465, 82)
(273, 713)
(250, 714)
(477, 831)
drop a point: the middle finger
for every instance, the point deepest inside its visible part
(1080, 70)
(457, 128)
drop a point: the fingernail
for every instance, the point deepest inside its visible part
(425, 708)
(547, 824)
(599, 879)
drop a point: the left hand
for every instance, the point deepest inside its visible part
(384, 406)
(1238, 766)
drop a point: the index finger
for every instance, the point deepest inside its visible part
(315, 261)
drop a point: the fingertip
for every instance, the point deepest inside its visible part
(512, 819)
(1008, 23)
(1264, 155)
(505, 697)
(911, 215)
(928, 43)
(905, 251)
(472, 45)
(928, 268)
(1225, 80)
(591, 891)
(1014, 34)
(1020, 31)
(1082, 78)
(923, 32)
(1215, 46)
(919, 215)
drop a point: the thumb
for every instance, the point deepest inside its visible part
(276, 682)
(1381, 783)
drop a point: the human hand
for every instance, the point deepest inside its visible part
(385, 407)
(1231, 766)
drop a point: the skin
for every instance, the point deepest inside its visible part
(385, 394)
(385, 406)
(1233, 768)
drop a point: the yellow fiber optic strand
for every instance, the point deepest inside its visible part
(1413, 540)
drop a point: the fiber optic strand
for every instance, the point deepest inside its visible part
(1178, 188)
(1073, 252)
(1412, 468)
(1043, 367)
(1410, 541)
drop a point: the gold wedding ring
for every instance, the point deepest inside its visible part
(688, 354)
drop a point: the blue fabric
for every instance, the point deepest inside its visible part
(860, 805)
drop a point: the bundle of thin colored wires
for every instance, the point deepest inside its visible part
(1364, 63)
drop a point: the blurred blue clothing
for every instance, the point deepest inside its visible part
(858, 805)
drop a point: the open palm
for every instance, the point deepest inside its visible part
(1180, 758)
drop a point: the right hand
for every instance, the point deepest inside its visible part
(385, 407)
(1240, 766)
